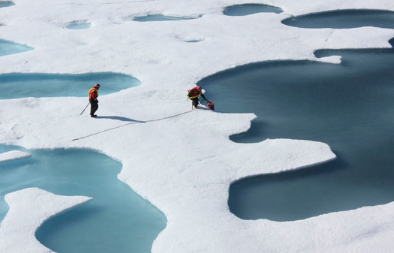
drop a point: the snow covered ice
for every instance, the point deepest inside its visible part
(182, 165)
(13, 155)
(29, 208)
(78, 25)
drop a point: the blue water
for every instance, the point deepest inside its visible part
(8, 47)
(348, 106)
(158, 17)
(6, 4)
(343, 19)
(249, 9)
(62, 85)
(78, 25)
(116, 220)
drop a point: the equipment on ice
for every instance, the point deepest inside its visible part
(85, 108)
(211, 105)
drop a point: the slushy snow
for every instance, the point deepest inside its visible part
(182, 165)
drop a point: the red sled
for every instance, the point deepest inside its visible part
(211, 105)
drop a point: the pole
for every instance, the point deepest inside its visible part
(84, 109)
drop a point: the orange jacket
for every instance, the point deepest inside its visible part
(93, 93)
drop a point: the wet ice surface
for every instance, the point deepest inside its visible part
(348, 106)
(249, 9)
(193, 41)
(159, 17)
(8, 47)
(61, 85)
(343, 19)
(78, 25)
(116, 220)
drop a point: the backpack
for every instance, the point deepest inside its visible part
(194, 93)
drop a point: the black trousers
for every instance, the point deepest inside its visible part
(195, 102)
(93, 106)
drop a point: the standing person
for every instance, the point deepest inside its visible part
(93, 94)
(194, 94)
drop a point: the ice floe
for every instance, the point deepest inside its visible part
(13, 155)
(29, 208)
(183, 165)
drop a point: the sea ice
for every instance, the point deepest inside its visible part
(13, 155)
(29, 208)
(182, 165)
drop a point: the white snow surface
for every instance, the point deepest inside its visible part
(13, 155)
(29, 208)
(182, 165)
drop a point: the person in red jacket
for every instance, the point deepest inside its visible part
(93, 94)
(194, 94)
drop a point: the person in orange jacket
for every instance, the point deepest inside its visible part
(194, 94)
(93, 94)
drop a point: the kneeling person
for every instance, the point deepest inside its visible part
(194, 94)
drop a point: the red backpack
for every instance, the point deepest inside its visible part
(195, 92)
